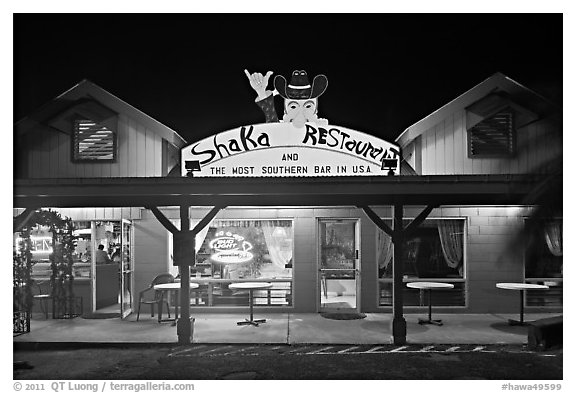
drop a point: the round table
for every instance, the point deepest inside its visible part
(251, 286)
(428, 286)
(173, 286)
(514, 286)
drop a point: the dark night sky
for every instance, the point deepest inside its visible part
(385, 71)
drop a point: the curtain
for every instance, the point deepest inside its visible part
(451, 234)
(279, 242)
(553, 235)
(384, 250)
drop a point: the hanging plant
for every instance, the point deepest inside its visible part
(22, 268)
(61, 261)
(22, 284)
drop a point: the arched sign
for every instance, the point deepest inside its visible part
(282, 150)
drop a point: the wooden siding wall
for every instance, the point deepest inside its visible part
(139, 154)
(444, 149)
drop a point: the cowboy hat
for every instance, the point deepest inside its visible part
(299, 87)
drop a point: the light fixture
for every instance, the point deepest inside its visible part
(389, 164)
(191, 167)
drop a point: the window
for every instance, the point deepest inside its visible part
(435, 251)
(240, 249)
(493, 137)
(543, 261)
(93, 142)
(230, 251)
(41, 249)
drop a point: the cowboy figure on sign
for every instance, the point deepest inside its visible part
(300, 98)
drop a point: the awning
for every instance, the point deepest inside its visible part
(335, 191)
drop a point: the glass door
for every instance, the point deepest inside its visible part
(126, 269)
(339, 265)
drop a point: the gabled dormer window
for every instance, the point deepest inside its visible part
(493, 137)
(93, 142)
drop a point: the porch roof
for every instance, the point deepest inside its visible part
(333, 191)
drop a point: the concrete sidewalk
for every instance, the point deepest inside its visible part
(282, 329)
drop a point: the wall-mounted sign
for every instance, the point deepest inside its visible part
(230, 248)
(283, 150)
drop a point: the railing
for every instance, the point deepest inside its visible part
(215, 292)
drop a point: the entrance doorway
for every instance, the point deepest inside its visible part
(112, 267)
(126, 269)
(339, 265)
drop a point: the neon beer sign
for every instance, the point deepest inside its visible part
(230, 248)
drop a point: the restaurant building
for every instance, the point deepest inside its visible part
(317, 228)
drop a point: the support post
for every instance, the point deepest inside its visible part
(398, 321)
(184, 327)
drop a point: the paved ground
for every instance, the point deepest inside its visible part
(292, 362)
(283, 329)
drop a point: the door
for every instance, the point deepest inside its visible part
(339, 265)
(126, 269)
(93, 263)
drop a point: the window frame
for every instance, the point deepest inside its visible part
(405, 280)
(73, 155)
(539, 280)
(512, 146)
(169, 238)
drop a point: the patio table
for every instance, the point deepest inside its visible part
(251, 286)
(428, 286)
(521, 287)
(174, 287)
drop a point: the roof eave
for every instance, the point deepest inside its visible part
(88, 88)
(498, 80)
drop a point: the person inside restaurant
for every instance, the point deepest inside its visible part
(102, 256)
